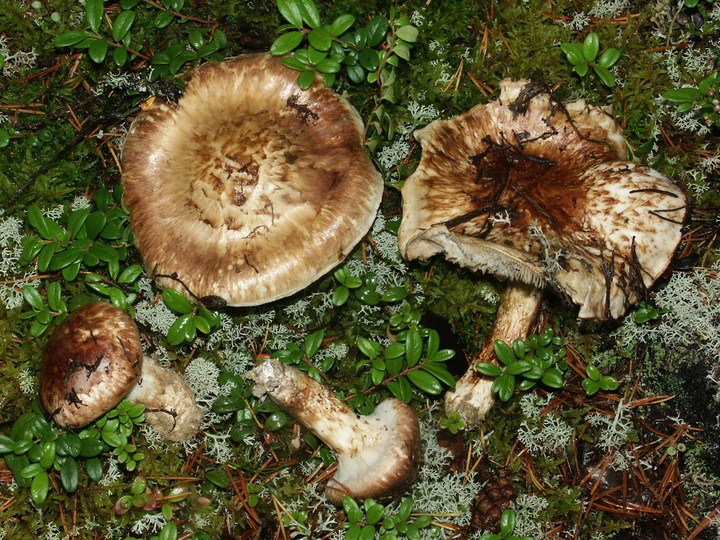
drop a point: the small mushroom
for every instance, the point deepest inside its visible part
(94, 359)
(247, 189)
(540, 193)
(378, 455)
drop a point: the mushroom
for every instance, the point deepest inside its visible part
(94, 359)
(247, 189)
(539, 193)
(378, 455)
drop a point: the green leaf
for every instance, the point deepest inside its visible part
(503, 352)
(39, 487)
(70, 475)
(573, 52)
(591, 46)
(93, 14)
(330, 67)
(7, 444)
(98, 50)
(290, 10)
(394, 294)
(90, 448)
(553, 378)
(504, 386)
(609, 383)
(306, 79)
(352, 510)
(168, 532)
(31, 471)
(413, 346)
(519, 367)
(218, 477)
(590, 386)
(195, 38)
(407, 33)
(507, 522)
(683, 95)
(593, 372)
(286, 43)
(32, 297)
(54, 297)
(313, 343)
(488, 369)
(609, 57)
(163, 19)
(309, 13)
(606, 76)
(425, 381)
(93, 468)
(68, 39)
(440, 372)
(341, 24)
(176, 301)
(183, 329)
(581, 69)
(320, 39)
(371, 349)
(293, 63)
(130, 274)
(403, 51)
(122, 24)
(376, 30)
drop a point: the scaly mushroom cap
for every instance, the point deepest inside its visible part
(530, 189)
(91, 361)
(248, 188)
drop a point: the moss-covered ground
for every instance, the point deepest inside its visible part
(638, 462)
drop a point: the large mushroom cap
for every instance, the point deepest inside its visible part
(91, 361)
(248, 188)
(533, 190)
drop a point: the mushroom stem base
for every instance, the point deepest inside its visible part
(170, 405)
(472, 397)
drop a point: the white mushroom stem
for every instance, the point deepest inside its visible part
(472, 397)
(170, 405)
(377, 454)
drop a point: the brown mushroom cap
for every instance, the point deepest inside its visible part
(92, 360)
(530, 189)
(248, 188)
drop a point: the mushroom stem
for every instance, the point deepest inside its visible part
(472, 397)
(378, 454)
(310, 403)
(169, 403)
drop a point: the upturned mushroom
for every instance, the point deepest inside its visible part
(247, 189)
(539, 193)
(94, 359)
(378, 455)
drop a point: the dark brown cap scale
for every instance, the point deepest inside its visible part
(92, 360)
